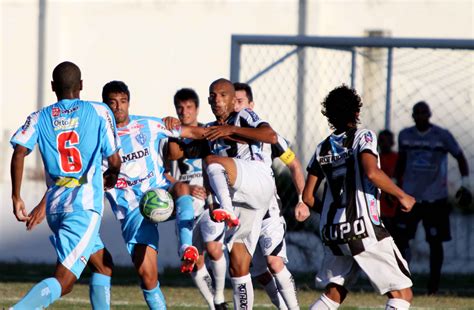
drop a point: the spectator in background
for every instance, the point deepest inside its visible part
(422, 166)
(388, 162)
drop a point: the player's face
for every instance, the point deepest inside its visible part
(222, 100)
(119, 104)
(187, 112)
(421, 115)
(385, 143)
(242, 101)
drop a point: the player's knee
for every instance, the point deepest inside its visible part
(211, 159)
(238, 268)
(66, 286)
(405, 294)
(275, 264)
(336, 292)
(181, 189)
(148, 279)
(214, 250)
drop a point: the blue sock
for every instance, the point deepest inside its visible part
(154, 298)
(41, 295)
(185, 219)
(99, 291)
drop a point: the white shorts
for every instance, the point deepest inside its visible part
(252, 195)
(206, 230)
(382, 263)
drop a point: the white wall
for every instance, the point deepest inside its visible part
(157, 47)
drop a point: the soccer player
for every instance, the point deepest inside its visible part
(271, 252)
(73, 136)
(207, 234)
(422, 170)
(350, 226)
(143, 139)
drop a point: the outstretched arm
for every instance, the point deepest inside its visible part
(382, 181)
(264, 133)
(16, 172)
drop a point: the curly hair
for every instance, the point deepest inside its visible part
(341, 107)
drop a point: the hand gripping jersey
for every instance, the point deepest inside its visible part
(73, 136)
(245, 149)
(142, 168)
(350, 215)
(426, 173)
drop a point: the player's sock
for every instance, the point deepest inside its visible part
(219, 182)
(99, 291)
(185, 219)
(287, 288)
(41, 295)
(275, 296)
(203, 281)
(397, 304)
(243, 292)
(154, 298)
(324, 303)
(218, 268)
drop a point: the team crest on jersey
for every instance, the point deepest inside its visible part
(267, 242)
(374, 214)
(368, 137)
(121, 183)
(55, 112)
(141, 138)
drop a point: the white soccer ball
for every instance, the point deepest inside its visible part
(156, 205)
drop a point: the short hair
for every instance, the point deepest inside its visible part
(421, 104)
(221, 80)
(386, 133)
(185, 94)
(114, 87)
(246, 87)
(67, 77)
(341, 107)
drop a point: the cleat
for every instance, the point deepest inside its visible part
(221, 306)
(190, 257)
(222, 215)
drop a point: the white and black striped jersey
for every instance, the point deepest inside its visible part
(246, 149)
(350, 215)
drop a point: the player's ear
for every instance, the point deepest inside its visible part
(252, 105)
(80, 85)
(52, 86)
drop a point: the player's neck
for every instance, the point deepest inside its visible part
(124, 123)
(68, 95)
(423, 127)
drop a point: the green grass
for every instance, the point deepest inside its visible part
(16, 279)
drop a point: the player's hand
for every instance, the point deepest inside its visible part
(19, 210)
(407, 202)
(216, 132)
(171, 122)
(110, 179)
(464, 196)
(36, 215)
(198, 192)
(301, 212)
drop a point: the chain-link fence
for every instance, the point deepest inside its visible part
(290, 77)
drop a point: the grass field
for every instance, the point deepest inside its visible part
(16, 279)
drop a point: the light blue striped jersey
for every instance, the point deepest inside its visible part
(142, 140)
(73, 136)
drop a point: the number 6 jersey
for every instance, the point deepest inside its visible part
(73, 136)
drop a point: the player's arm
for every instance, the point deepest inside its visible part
(301, 209)
(113, 170)
(311, 186)
(382, 181)
(37, 215)
(263, 133)
(175, 151)
(16, 172)
(464, 192)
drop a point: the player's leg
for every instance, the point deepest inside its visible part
(141, 238)
(101, 265)
(74, 237)
(437, 229)
(239, 269)
(200, 275)
(388, 272)
(184, 223)
(331, 299)
(259, 271)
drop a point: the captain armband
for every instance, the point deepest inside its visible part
(288, 156)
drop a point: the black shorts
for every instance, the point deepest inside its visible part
(435, 217)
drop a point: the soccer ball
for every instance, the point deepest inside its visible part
(156, 205)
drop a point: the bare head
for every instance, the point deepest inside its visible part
(186, 103)
(421, 115)
(66, 82)
(221, 98)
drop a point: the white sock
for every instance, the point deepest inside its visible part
(219, 182)
(324, 303)
(218, 268)
(287, 288)
(243, 292)
(397, 304)
(275, 296)
(203, 281)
